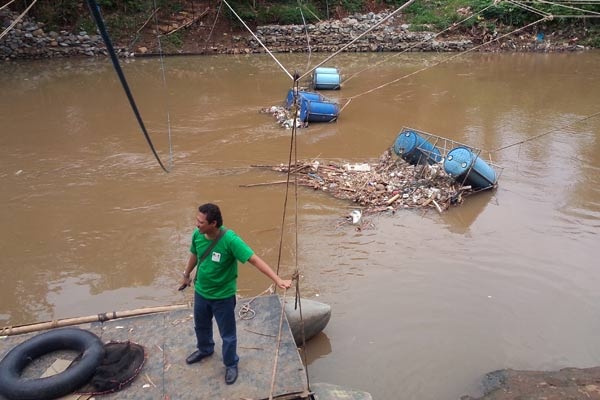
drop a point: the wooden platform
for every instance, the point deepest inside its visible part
(168, 338)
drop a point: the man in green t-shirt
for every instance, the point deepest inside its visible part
(215, 284)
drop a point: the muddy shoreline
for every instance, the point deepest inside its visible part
(567, 383)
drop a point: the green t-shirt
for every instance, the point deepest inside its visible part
(216, 276)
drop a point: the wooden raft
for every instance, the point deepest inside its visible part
(168, 338)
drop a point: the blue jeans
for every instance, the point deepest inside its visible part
(224, 313)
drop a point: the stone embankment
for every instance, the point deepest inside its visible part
(28, 39)
(330, 36)
(391, 36)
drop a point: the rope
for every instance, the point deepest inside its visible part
(16, 21)
(278, 344)
(166, 89)
(289, 171)
(528, 8)
(213, 27)
(245, 312)
(258, 40)
(137, 33)
(313, 14)
(298, 304)
(569, 7)
(443, 61)
(548, 132)
(296, 275)
(576, 16)
(409, 2)
(307, 35)
(7, 4)
(95, 10)
(418, 44)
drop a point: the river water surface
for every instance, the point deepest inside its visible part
(423, 304)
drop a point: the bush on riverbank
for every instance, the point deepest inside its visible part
(125, 14)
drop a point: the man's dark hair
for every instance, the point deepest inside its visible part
(212, 212)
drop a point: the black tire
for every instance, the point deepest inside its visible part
(14, 387)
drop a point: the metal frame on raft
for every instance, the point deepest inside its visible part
(418, 148)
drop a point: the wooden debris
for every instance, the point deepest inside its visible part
(187, 22)
(264, 183)
(393, 199)
(388, 185)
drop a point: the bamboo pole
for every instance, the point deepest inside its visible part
(265, 183)
(437, 206)
(393, 199)
(17, 330)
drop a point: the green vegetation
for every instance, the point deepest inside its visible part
(172, 42)
(276, 12)
(593, 39)
(353, 6)
(124, 17)
(56, 14)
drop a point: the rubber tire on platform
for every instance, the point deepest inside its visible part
(14, 387)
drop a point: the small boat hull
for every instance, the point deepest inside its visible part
(315, 316)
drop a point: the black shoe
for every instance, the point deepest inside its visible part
(231, 374)
(196, 356)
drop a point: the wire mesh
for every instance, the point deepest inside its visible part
(434, 149)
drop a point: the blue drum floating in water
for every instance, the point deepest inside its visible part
(325, 78)
(313, 96)
(462, 164)
(414, 149)
(318, 111)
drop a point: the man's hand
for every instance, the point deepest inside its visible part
(284, 283)
(185, 282)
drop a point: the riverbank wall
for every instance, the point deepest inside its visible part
(29, 40)
(332, 35)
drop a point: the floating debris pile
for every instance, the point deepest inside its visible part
(303, 106)
(388, 185)
(284, 116)
(418, 171)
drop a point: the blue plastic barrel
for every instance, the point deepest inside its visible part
(289, 100)
(463, 165)
(325, 78)
(327, 70)
(416, 150)
(318, 111)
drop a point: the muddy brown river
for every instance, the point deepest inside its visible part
(423, 304)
